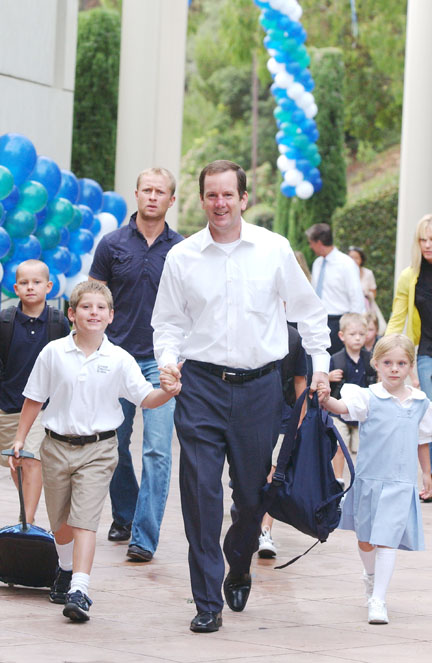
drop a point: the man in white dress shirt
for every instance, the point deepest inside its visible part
(336, 280)
(220, 307)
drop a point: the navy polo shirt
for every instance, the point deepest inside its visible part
(354, 373)
(29, 336)
(132, 270)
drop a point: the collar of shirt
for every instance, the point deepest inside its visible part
(245, 236)
(23, 317)
(166, 233)
(71, 346)
(379, 390)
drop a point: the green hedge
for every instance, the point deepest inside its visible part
(96, 92)
(370, 223)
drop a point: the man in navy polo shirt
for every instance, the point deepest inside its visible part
(130, 261)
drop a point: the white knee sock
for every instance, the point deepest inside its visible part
(384, 566)
(368, 559)
(65, 555)
(80, 581)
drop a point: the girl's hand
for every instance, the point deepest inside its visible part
(426, 493)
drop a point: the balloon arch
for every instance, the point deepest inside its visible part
(48, 214)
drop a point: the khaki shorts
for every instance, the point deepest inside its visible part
(8, 429)
(349, 434)
(76, 480)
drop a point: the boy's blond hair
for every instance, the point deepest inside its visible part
(33, 263)
(94, 287)
(389, 343)
(351, 319)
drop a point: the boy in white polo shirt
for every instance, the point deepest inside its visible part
(83, 375)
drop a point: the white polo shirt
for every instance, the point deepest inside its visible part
(84, 391)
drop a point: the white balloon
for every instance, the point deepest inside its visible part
(282, 148)
(289, 8)
(284, 164)
(295, 91)
(108, 222)
(311, 111)
(1, 271)
(274, 66)
(276, 4)
(305, 100)
(293, 177)
(86, 262)
(72, 281)
(62, 283)
(297, 12)
(284, 80)
(304, 190)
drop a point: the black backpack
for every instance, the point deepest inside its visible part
(304, 492)
(7, 318)
(288, 365)
(339, 362)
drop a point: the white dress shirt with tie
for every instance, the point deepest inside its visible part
(227, 308)
(340, 288)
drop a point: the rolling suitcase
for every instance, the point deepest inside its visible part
(27, 553)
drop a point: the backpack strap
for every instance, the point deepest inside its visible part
(7, 319)
(55, 324)
(338, 363)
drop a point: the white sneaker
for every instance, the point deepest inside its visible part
(369, 584)
(377, 613)
(267, 548)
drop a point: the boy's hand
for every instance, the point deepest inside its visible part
(323, 394)
(170, 378)
(15, 460)
(336, 375)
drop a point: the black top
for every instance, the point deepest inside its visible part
(423, 302)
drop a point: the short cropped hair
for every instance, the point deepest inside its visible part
(320, 232)
(159, 171)
(370, 316)
(94, 287)
(222, 166)
(390, 342)
(33, 263)
(352, 319)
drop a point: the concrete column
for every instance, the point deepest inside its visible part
(152, 67)
(415, 186)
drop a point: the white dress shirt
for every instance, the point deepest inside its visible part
(84, 391)
(357, 401)
(227, 308)
(341, 290)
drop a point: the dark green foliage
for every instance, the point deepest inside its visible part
(328, 72)
(260, 215)
(96, 90)
(371, 224)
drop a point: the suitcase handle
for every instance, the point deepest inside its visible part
(22, 454)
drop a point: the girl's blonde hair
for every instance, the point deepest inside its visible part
(390, 342)
(419, 234)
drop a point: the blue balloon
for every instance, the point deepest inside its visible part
(18, 154)
(287, 104)
(26, 249)
(47, 173)
(2, 214)
(90, 194)
(87, 216)
(9, 275)
(12, 199)
(115, 204)
(69, 187)
(304, 166)
(318, 185)
(293, 68)
(56, 286)
(5, 243)
(288, 191)
(58, 259)
(95, 227)
(298, 117)
(64, 237)
(41, 216)
(75, 265)
(81, 241)
(20, 223)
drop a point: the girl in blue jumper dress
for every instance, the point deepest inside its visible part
(383, 505)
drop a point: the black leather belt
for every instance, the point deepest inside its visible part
(80, 440)
(234, 375)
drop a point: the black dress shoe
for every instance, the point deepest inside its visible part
(138, 554)
(206, 622)
(119, 532)
(237, 589)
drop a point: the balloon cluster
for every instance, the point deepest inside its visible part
(292, 88)
(48, 214)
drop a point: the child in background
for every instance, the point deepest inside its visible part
(24, 331)
(383, 505)
(84, 376)
(351, 364)
(371, 331)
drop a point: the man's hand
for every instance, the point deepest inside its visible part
(15, 460)
(170, 378)
(321, 379)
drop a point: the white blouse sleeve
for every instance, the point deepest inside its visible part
(357, 401)
(425, 428)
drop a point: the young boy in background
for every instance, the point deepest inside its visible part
(84, 376)
(351, 364)
(24, 331)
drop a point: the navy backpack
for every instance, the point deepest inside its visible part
(304, 492)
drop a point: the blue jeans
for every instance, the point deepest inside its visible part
(144, 505)
(424, 370)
